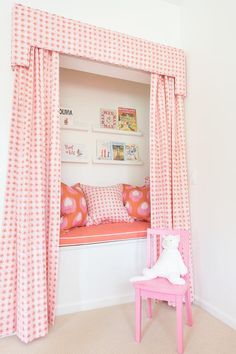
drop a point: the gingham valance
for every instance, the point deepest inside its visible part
(35, 28)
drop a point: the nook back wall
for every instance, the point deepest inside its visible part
(86, 93)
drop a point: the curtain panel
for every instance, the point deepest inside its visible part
(30, 234)
(168, 162)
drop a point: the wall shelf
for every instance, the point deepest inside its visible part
(80, 127)
(81, 161)
(115, 131)
(118, 162)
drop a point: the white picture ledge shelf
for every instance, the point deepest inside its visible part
(118, 162)
(115, 131)
(79, 161)
(80, 127)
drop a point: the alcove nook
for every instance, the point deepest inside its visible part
(85, 87)
(31, 221)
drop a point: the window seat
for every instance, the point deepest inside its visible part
(104, 233)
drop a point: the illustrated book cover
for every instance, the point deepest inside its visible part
(127, 119)
(104, 150)
(73, 152)
(108, 118)
(118, 151)
(66, 117)
(131, 152)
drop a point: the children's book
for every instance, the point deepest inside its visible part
(66, 117)
(73, 152)
(118, 151)
(131, 152)
(104, 150)
(107, 118)
(127, 119)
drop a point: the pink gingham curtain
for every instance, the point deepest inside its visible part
(30, 234)
(168, 162)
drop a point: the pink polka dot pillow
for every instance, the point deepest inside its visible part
(137, 201)
(105, 204)
(73, 207)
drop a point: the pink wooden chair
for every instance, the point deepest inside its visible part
(161, 288)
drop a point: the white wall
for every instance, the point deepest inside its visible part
(209, 29)
(86, 93)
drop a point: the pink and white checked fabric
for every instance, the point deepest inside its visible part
(30, 235)
(35, 28)
(168, 162)
(105, 204)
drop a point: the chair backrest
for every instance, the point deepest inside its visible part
(154, 244)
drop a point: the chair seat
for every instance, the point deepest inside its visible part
(161, 285)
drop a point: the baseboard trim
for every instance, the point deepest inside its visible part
(214, 311)
(90, 305)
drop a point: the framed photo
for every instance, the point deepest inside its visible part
(118, 151)
(73, 152)
(127, 119)
(104, 150)
(131, 152)
(66, 117)
(107, 118)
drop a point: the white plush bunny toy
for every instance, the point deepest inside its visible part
(169, 265)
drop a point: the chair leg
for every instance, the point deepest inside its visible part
(188, 308)
(149, 308)
(179, 314)
(138, 309)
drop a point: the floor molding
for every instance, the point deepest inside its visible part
(90, 305)
(116, 300)
(214, 311)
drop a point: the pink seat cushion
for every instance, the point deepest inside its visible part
(104, 233)
(161, 285)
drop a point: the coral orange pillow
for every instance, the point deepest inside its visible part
(137, 201)
(73, 207)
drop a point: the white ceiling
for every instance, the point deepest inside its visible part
(104, 69)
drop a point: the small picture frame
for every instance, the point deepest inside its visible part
(73, 152)
(66, 118)
(131, 152)
(108, 118)
(118, 151)
(104, 150)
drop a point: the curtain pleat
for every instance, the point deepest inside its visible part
(30, 234)
(168, 162)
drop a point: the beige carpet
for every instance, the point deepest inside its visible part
(111, 331)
